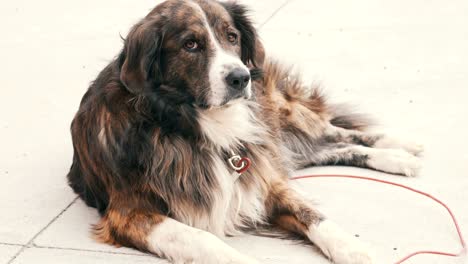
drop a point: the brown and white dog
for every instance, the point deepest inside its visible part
(191, 89)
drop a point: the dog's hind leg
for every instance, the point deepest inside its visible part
(336, 134)
(395, 161)
(338, 146)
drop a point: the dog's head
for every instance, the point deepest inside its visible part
(199, 52)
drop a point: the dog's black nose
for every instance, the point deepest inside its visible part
(238, 78)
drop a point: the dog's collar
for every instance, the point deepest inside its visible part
(238, 163)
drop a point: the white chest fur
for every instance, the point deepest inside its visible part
(226, 128)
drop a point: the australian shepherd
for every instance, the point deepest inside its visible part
(190, 134)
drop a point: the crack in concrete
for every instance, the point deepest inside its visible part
(274, 13)
(92, 250)
(30, 242)
(10, 244)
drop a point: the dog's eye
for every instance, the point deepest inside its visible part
(191, 45)
(232, 37)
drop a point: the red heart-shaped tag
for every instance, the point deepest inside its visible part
(244, 163)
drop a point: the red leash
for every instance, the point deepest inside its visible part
(462, 241)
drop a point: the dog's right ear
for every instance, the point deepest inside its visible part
(139, 61)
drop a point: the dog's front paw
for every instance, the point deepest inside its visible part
(339, 246)
(350, 254)
(395, 161)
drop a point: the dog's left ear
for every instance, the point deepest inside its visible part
(252, 50)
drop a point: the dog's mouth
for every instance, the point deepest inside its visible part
(225, 104)
(231, 98)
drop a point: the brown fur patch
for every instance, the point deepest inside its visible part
(291, 224)
(129, 228)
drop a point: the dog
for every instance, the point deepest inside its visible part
(190, 133)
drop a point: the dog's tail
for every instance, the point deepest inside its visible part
(345, 116)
